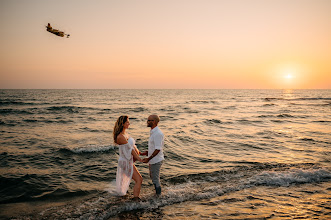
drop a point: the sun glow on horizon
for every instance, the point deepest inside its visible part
(289, 76)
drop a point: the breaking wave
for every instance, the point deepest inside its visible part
(201, 186)
(90, 149)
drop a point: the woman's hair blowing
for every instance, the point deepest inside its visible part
(119, 125)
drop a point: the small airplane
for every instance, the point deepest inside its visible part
(56, 32)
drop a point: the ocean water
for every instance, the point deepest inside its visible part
(230, 154)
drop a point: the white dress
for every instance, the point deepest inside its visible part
(125, 167)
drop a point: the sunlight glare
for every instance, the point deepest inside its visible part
(288, 76)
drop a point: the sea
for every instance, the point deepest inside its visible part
(229, 154)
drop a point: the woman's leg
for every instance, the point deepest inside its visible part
(138, 179)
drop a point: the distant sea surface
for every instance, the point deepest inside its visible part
(229, 154)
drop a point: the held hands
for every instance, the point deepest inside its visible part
(145, 160)
(139, 159)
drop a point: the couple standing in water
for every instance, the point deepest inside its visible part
(129, 153)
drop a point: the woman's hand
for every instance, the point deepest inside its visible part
(139, 159)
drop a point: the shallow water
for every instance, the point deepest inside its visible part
(230, 154)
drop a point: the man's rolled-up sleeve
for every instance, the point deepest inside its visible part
(158, 141)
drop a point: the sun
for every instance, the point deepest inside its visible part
(288, 76)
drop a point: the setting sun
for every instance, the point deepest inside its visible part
(289, 76)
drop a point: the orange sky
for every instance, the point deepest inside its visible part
(175, 44)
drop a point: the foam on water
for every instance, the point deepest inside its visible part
(195, 190)
(294, 176)
(91, 149)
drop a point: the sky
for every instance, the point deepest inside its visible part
(166, 44)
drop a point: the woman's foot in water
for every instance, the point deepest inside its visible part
(136, 199)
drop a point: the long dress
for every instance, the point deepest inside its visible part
(125, 167)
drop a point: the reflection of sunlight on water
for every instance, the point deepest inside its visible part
(288, 93)
(284, 132)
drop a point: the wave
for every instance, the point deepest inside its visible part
(319, 98)
(86, 129)
(9, 123)
(70, 109)
(50, 110)
(170, 118)
(283, 115)
(74, 109)
(307, 139)
(15, 112)
(322, 121)
(202, 189)
(25, 122)
(104, 111)
(137, 109)
(214, 121)
(30, 187)
(269, 104)
(286, 178)
(198, 187)
(232, 107)
(203, 102)
(89, 149)
(177, 189)
(248, 122)
(9, 102)
(48, 121)
(53, 109)
(243, 170)
(296, 99)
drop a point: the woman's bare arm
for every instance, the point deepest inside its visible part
(135, 155)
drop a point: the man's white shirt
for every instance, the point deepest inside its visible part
(156, 142)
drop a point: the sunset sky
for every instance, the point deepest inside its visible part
(166, 44)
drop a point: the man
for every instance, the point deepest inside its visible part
(155, 151)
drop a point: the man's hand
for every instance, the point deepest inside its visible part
(145, 160)
(145, 153)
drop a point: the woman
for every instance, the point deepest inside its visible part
(128, 153)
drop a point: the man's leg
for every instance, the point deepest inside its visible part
(155, 176)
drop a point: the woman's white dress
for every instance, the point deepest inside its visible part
(125, 167)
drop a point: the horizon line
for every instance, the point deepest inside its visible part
(150, 89)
